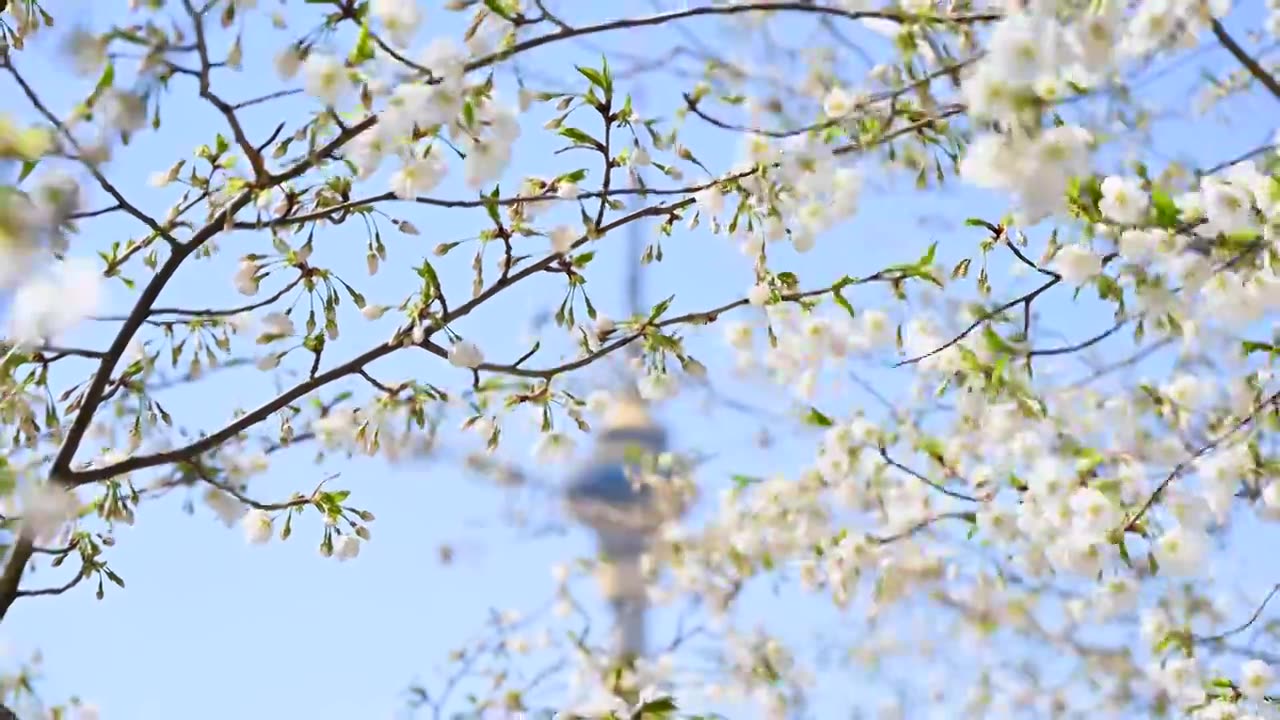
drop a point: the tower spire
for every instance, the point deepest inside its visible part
(633, 277)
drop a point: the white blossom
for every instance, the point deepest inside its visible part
(562, 238)
(1077, 264)
(465, 354)
(710, 200)
(838, 103)
(401, 18)
(566, 190)
(52, 303)
(553, 447)
(1181, 551)
(418, 175)
(246, 280)
(287, 63)
(1123, 200)
(228, 509)
(347, 547)
(325, 78)
(1256, 677)
(277, 324)
(257, 526)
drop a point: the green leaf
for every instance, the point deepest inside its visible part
(1109, 288)
(491, 206)
(997, 343)
(608, 79)
(27, 167)
(428, 272)
(496, 7)
(927, 260)
(661, 308)
(356, 297)
(104, 81)
(363, 50)
(657, 708)
(1163, 209)
(594, 76)
(580, 137)
(842, 301)
(817, 418)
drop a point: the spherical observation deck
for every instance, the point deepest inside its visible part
(606, 493)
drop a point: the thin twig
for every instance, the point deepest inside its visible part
(884, 454)
(1243, 626)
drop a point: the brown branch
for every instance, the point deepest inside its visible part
(135, 248)
(6, 62)
(920, 526)
(1247, 155)
(251, 154)
(884, 454)
(328, 212)
(352, 366)
(392, 391)
(95, 213)
(799, 6)
(265, 98)
(64, 550)
(210, 312)
(948, 111)
(298, 500)
(999, 232)
(1243, 626)
(879, 97)
(1130, 361)
(58, 590)
(1025, 299)
(1082, 345)
(60, 471)
(702, 317)
(1257, 71)
(55, 353)
(1186, 464)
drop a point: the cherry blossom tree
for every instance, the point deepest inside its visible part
(1037, 436)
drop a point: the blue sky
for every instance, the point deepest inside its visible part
(210, 627)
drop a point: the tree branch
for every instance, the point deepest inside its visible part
(6, 62)
(1257, 613)
(884, 455)
(251, 154)
(352, 366)
(1186, 464)
(1257, 71)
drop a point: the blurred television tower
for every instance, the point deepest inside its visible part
(605, 495)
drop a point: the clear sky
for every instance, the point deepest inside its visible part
(210, 627)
